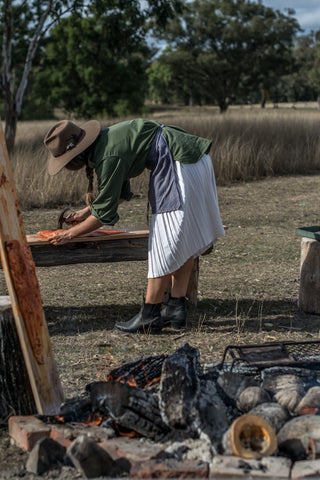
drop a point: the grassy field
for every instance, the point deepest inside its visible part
(248, 286)
(248, 144)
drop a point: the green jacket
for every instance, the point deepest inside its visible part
(120, 153)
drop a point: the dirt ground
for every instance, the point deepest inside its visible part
(248, 291)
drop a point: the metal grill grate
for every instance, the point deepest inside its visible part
(258, 356)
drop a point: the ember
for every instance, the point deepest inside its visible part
(93, 419)
(140, 373)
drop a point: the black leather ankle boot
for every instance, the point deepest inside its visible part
(174, 312)
(147, 320)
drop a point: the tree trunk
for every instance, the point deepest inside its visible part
(15, 391)
(262, 98)
(11, 119)
(222, 105)
(7, 77)
(318, 100)
(13, 104)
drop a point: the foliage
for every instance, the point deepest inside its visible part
(297, 85)
(314, 73)
(71, 80)
(227, 47)
(159, 75)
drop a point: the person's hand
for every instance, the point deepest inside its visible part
(61, 238)
(77, 217)
(85, 226)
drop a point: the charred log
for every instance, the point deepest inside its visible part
(231, 385)
(294, 449)
(213, 413)
(130, 407)
(139, 373)
(180, 389)
(73, 410)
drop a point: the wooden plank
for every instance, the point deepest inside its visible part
(24, 291)
(92, 250)
(125, 247)
(36, 239)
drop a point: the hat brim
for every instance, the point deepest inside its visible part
(92, 129)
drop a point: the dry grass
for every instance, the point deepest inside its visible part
(248, 143)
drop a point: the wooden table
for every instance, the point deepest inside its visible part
(122, 247)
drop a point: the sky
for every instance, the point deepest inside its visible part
(307, 11)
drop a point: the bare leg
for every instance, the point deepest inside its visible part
(180, 281)
(156, 289)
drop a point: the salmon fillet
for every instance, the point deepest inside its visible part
(47, 234)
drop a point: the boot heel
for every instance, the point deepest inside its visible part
(174, 313)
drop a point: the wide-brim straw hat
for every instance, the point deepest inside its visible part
(66, 140)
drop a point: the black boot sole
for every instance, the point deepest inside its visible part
(147, 327)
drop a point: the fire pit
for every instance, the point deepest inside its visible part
(258, 406)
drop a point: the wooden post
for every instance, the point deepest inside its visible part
(309, 291)
(24, 291)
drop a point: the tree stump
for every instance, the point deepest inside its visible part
(309, 291)
(16, 396)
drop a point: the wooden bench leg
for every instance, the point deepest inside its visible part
(192, 291)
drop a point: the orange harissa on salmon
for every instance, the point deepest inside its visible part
(47, 234)
(50, 233)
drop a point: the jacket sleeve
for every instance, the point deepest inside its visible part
(112, 184)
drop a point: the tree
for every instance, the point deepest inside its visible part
(297, 85)
(182, 80)
(24, 24)
(314, 74)
(237, 45)
(159, 76)
(115, 83)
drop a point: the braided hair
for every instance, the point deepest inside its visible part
(78, 162)
(89, 195)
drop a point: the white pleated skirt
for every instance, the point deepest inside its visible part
(179, 235)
